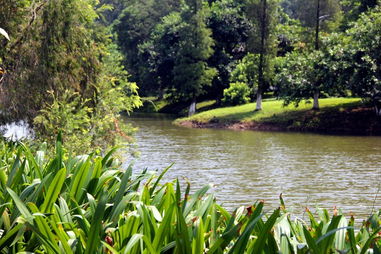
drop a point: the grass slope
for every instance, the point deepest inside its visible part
(337, 115)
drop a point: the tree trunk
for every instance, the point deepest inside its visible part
(261, 79)
(161, 94)
(259, 101)
(192, 108)
(378, 111)
(317, 25)
(317, 30)
(316, 101)
(377, 104)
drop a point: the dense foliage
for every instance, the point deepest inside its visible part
(281, 33)
(191, 72)
(88, 204)
(348, 62)
(63, 73)
(237, 93)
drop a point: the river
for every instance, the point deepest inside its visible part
(310, 170)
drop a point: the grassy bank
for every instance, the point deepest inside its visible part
(58, 203)
(337, 115)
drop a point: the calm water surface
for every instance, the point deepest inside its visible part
(310, 170)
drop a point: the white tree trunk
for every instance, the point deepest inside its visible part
(378, 110)
(316, 100)
(259, 101)
(192, 108)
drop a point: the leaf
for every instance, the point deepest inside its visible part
(80, 180)
(310, 241)
(159, 178)
(20, 205)
(93, 241)
(262, 237)
(132, 242)
(45, 231)
(371, 238)
(53, 191)
(163, 228)
(325, 242)
(8, 237)
(110, 248)
(240, 245)
(4, 33)
(122, 188)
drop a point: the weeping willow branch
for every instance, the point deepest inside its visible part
(34, 13)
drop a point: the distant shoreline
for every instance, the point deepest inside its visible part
(346, 119)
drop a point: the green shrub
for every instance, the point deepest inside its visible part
(89, 204)
(246, 71)
(95, 122)
(237, 93)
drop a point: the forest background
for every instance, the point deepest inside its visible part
(73, 66)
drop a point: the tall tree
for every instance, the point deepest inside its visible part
(191, 71)
(161, 53)
(316, 16)
(57, 75)
(230, 31)
(362, 59)
(134, 28)
(53, 50)
(353, 9)
(263, 14)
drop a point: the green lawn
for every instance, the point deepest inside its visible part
(273, 111)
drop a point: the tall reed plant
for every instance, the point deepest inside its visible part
(89, 204)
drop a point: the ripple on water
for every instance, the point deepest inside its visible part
(310, 170)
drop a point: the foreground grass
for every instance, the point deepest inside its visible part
(273, 111)
(88, 204)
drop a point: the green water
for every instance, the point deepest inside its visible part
(245, 166)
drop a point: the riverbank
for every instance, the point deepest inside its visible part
(336, 116)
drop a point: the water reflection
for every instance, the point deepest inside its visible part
(310, 170)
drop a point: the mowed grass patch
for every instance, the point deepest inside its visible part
(273, 111)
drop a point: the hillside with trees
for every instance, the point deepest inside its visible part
(296, 47)
(73, 71)
(78, 64)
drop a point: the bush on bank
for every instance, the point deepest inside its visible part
(89, 204)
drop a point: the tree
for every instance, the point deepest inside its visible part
(318, 16)
(300, 74)
(354, 8)
(191, 71)
(263, 14)
(361, 58)
(161, 52)
(246, 71)
(57, 62)
(134, 29)
(230, 31)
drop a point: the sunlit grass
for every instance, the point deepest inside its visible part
(273, 111)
